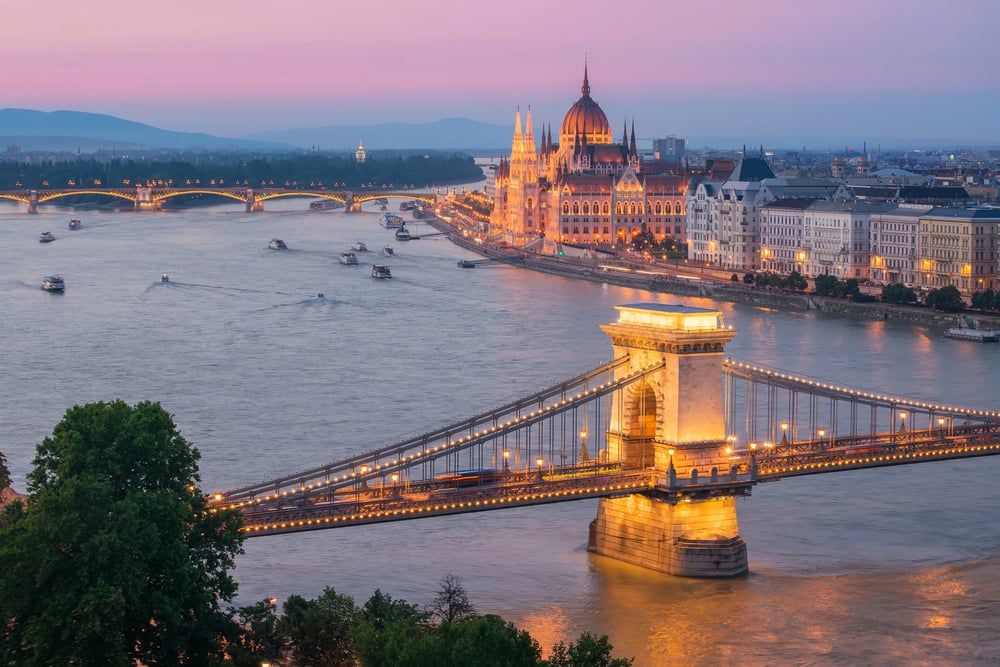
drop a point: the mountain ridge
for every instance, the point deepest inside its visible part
(75, 130)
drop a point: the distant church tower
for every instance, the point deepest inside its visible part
(360, 154)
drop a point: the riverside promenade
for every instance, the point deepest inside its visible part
(712, 283)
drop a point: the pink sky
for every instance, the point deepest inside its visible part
(713, 67)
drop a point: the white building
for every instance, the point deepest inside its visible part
(895, 248)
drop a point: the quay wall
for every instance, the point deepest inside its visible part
(587, 269)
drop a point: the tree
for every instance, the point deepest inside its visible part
(388, 632)
(320, 631)
(117, 558)
(947, 299)
(484, 641)
(4, 473)
(588, 651)
(256, 638)
(898, 293)
(452, 602)
(748, 278)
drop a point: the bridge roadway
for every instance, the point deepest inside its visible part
(464, 467)
(152, 198)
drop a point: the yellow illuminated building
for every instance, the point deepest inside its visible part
(585, 189)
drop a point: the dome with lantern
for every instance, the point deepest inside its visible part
(585, 120)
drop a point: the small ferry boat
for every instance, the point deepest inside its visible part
(53, 284)
(403, 234)
(381, 271)
(388, 251)
(390, 221)
(976, 335)
(277, 244)
(74, 224)
(359, 246)
(348, 258)
(325, 205)
(46, 237)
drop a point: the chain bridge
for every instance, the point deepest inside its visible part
(143, 198)
(668, 435)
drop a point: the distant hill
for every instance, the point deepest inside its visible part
(450, 133)
(78, 130)
(72, 130)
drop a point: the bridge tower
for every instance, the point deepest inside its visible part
(144, 199)
(254, 205)
(672, 422)
(33, 201)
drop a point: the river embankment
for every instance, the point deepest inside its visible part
(660, 278)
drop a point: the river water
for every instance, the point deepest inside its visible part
(896, 566)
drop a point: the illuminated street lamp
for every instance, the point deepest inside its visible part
(941, 425)
(822, 434)
(784, 433)
(584, 453)
(395, 481)
(506, 461)
(538, 462)
(364, 481)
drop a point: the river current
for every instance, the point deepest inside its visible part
(897, 566)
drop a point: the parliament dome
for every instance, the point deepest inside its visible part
(585, 119)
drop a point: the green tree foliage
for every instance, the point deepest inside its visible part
(387, 631)
(484, 641)
(117, 558)
(297, 170)
(255, 638)
(946, 299)
(588, 651)
(748, 278)
(898, 293)
(4, 473)
(832, 286)
(319, 631)
(986, 300)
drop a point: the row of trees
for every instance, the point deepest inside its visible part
(331, 631)
(116, 559)
(302, 170)
(946, 299)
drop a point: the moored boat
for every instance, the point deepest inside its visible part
(390, 221)
(381, 271)
(976, 335)
(53, 284)
(46, 237)
(325, 205)
(403, 234)
(348, 258)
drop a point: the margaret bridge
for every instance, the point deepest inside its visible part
(143, 198)
(667, 435)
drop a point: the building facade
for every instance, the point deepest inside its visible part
(584, 189)
(958, 246)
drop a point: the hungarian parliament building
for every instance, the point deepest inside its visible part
(586, 194)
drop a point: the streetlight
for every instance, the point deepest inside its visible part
(584, 454)
(538, 462)
(941, 425)
(784, 433)
(902, 424)
(822, 435)
(395, 481)
(506, 461)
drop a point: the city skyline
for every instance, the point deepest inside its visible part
(778, 72)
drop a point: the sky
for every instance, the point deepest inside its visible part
(770, 71)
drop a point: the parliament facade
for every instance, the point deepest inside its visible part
(583, 190)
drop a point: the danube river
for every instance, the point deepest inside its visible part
(896, 566)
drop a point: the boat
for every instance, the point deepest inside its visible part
(53, 284)
(408, 206)
(348, 258)
(419, 213)
(325, 205)
(977, 335)
(466, 264)
(380, 271)
(277, 244)
(403, 234)
(164, 278)
(388, 251)
(390, 221)
(359, 246)
(74, 224)
(46, 237)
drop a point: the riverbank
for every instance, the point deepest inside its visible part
(664, 278)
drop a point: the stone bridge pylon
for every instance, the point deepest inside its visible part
(672, 422)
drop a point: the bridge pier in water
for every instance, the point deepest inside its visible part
(673, 423)
(254, 205)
